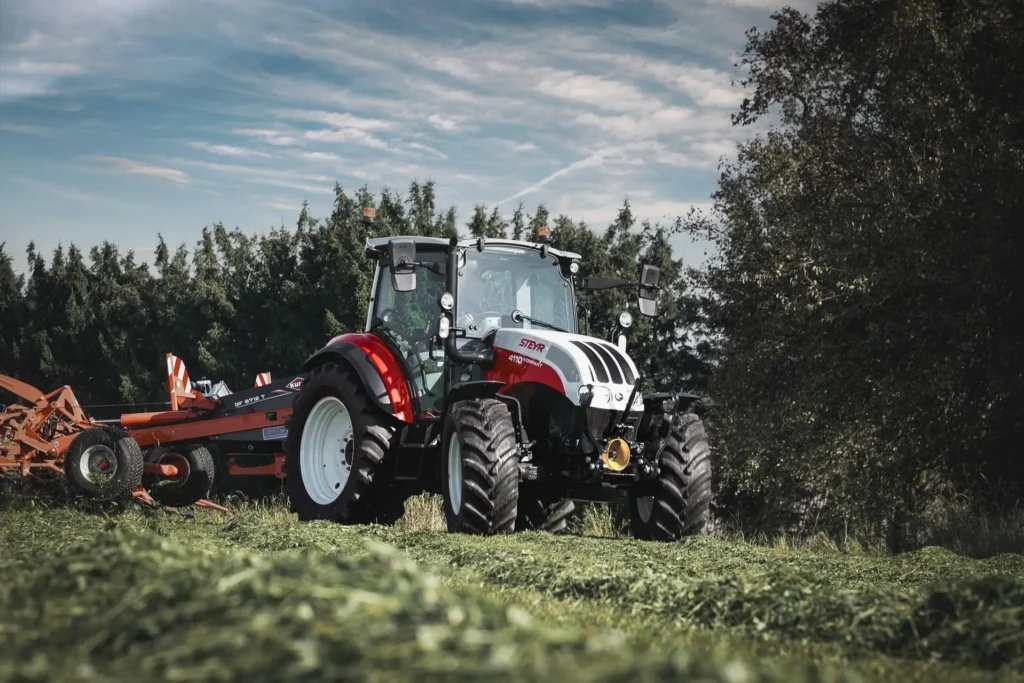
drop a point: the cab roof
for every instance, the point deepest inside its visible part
(379, 244)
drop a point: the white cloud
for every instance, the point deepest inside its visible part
(34, 40)
(594, 90)
(229, 150)
(336, 119)
(31, 68)
(253, 171)
(26, 78)
(23, 129)
(346, 135)
(320, 156)
(453, 66)
(420, 147)
(668, 120)
(134, 167)
(271, 137)
(19, 88)
(445, 123)
(284, 205)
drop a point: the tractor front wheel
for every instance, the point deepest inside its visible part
(676, 503)
(193, 481)
(480, 468)
(335, 446)
(104, 463)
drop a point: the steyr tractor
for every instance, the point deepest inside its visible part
(471, 380)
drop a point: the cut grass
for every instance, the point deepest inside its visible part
(601, 609)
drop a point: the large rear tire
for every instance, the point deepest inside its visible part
(480, 468)
(335, 446)
(675, 504)
(104, 463)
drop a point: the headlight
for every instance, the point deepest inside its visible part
(447, 301)
(574, 267)
(625, 319)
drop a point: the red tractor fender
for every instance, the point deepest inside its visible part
(510, 368)
(377, 368)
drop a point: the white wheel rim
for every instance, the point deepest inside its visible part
(455, 474)
(645, 507)
(322, 452)
(98, 459)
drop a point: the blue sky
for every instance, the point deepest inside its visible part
(121, 119)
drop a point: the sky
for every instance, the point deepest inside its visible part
(122, 119)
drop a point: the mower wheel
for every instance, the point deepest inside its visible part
(336, 443)
(543, 513)
(104, 463)
(193, 481)
(480, 468)
(676, 503)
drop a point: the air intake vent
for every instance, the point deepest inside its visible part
(595, 361)
(613, 367)
(622, 359)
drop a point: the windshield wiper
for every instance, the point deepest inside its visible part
(518, 316)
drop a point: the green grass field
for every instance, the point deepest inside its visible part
(253, 595)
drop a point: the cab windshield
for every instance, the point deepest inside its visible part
(502, 279)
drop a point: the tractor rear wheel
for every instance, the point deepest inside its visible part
(544, 513)
(104, 463)
(335, 446)
(676, 503)
(480, 468)
(194, 479)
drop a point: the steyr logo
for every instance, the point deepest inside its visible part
(532, 345)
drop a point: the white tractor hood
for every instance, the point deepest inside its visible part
(577, 360)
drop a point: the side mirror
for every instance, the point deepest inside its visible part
(402, 259)
(647, 292)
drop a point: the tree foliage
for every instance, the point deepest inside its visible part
(866, 286)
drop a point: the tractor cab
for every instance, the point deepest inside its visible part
(428, 317)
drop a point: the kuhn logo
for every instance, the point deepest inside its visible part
(295, 384)
(532, 345)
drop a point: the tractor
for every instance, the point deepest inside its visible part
(472, 379)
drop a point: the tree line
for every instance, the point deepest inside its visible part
(854, 328)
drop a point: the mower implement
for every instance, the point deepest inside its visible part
(159, 457)
(472, 378)
(52, 438)
(247, 422)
